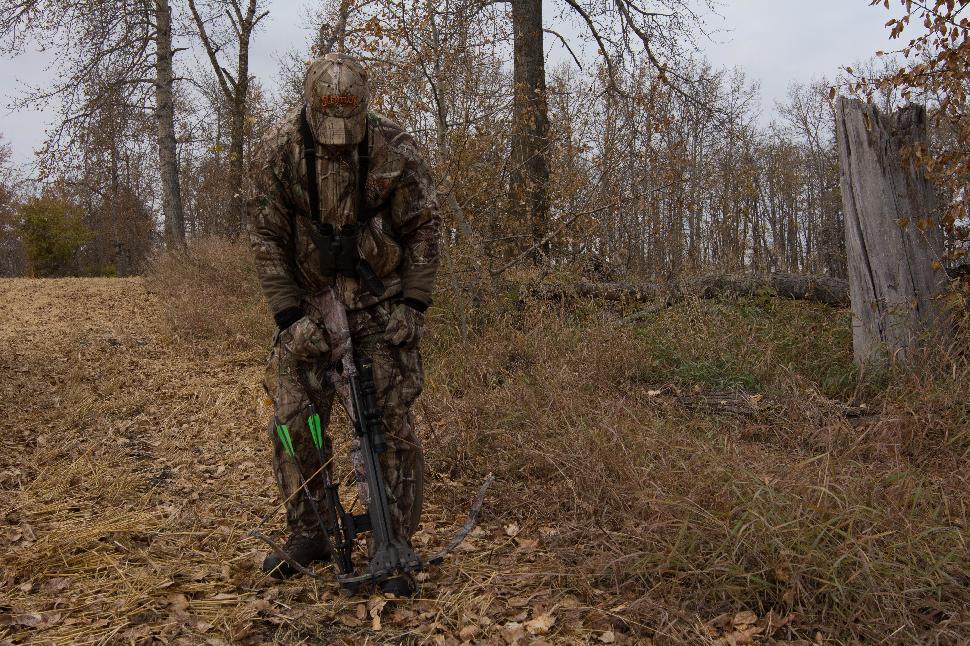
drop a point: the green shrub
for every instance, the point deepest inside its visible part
(52, 232)
(750, 345)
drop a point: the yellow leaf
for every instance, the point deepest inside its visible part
(744, 618)
(541, 624)
(469, 631)
(375, 607)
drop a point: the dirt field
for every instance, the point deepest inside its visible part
(133, 466)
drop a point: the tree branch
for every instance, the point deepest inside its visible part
(210, 51)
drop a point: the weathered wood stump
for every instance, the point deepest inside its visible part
(893, 238)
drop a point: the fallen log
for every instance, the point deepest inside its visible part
(820, 289)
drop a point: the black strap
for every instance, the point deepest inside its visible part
(363, 168)
(310, 159)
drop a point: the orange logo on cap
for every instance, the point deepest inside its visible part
(339, 99)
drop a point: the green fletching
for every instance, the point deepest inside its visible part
(285, 438)
(315, 430)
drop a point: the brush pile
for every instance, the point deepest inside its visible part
(717, 473)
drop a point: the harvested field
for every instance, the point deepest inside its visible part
(134, 466)
(133, 463)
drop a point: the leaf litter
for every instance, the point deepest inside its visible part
(138, 466)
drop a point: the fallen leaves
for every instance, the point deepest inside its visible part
(56, 584)
(469, 632)
(745, 627)
(744, 618)
(350, 621)
(178, 603)
(513, 632)
(375, 606)
(172, 563)
(35, 620)
(541, 624)
(517, 629)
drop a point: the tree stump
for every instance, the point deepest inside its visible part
(893, 238)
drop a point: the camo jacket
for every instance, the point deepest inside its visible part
(401, 241)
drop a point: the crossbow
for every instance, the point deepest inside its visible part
(352, 377)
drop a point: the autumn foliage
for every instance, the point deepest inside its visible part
(935, 70)
(52, 232)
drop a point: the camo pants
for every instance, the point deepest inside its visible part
(295, 386)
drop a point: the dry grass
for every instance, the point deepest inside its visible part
(653, 481)
(857, 525)
(212, 294)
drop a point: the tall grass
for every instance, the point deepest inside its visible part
(791, 506)
(211, 293)
(705, 461)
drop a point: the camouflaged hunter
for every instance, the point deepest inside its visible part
(366, 231)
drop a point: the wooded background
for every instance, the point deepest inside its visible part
(643, 162)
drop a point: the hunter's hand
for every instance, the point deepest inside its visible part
(304, 340)
(405, 326)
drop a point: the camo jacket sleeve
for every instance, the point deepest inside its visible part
(268, 208)
(415, 218)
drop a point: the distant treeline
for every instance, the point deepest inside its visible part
(637, 161)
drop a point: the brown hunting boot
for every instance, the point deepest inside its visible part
(302, 549)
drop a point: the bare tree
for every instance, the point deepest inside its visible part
(242, 17)
(12, 261)
(529, 170)
(165, 116)
(658, 26)
(134, 38)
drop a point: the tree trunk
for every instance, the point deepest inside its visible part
(237, 129)
(236, 92)
(893, 239)
(529, 174)
(165, 118)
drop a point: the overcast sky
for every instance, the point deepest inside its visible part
(776, 42)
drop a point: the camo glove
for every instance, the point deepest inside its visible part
(305, 340)
(405, 326)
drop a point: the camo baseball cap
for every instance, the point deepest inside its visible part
(335, 90)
